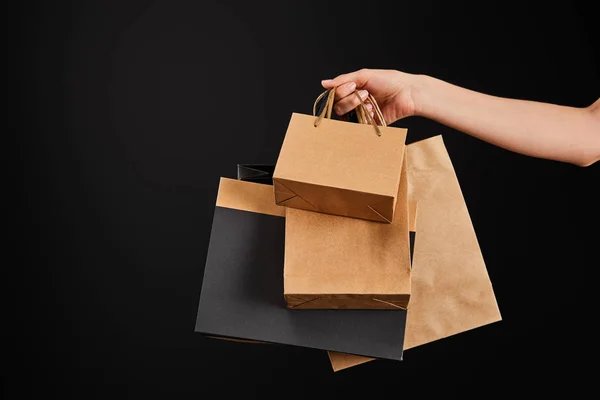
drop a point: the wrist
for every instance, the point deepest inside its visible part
(421, 89)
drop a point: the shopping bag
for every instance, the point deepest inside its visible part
(347, 263)
(242, 288)
(451, 289)
(338, 167)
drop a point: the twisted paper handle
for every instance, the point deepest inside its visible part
(363, 114)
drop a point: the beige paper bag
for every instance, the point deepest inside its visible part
(451, 289)
(347, 263)
(339, 167)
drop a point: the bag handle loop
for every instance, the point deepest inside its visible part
(363, 114)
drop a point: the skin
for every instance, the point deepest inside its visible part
(555, 132)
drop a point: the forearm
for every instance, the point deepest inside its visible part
(542, 130)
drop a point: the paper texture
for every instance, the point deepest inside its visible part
(412, 215)
(451, 289)
(347, 263)
(248, 196)
(324, 168)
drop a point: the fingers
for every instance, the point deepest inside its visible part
(350, 102)
(346, 85)
(359, 77)
(370, 109)
(344, 90)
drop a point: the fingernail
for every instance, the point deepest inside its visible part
(369, 106)
(363, 94)
(326, 81)
(351, 86)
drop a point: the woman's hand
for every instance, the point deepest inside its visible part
(544, 130)
(394, 92)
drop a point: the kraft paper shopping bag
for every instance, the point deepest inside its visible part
(347, 263)
(341, 168)
(451, 289)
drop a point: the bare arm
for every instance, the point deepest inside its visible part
(536, 129)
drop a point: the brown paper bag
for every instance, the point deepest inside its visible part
(338, 167)
(348, 263)
(451, 289)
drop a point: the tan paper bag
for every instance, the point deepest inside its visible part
(347, 263)
(451, 289)
(338, 167)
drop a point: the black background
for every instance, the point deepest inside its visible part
(130, 111)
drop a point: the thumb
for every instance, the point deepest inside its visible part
(359, 77)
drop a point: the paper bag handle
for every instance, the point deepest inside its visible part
(364, 116)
